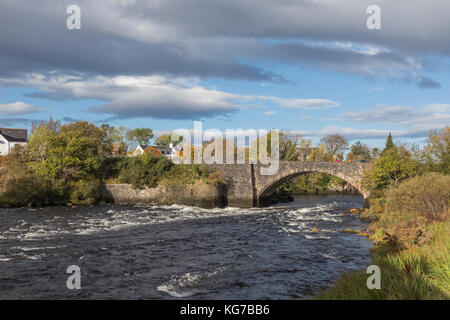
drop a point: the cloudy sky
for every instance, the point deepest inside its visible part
(310, 66)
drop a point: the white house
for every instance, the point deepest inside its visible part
(139, 150)
(9, 138)
(168, 152)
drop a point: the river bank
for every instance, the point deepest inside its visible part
(411, 233)
(419, 273)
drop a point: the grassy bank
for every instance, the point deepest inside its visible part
(415, 273)
(412, 237)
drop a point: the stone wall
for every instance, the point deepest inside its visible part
(199, 195)
(243, 185)
(239, 184)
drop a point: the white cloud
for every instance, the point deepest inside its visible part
(330, 119)
(151, 96)
(304, 117)
(425, 118)
(18, 108)
(270, 113)
(302, 103)
(354, 133)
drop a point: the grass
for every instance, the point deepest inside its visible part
(412, 274)
(411, 230)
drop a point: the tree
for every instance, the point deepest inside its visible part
(93, 135)
(70, 154)
(359, 151)
(320, 154)
(114, 142)
(334, 143)
(389, 143)
(53, 125)
(288, 144)
(376, 153)
(304, 149)
(288, 147)
(436, 153)
(392, 167)
(40, 142)
(139, 136)
(166, 139)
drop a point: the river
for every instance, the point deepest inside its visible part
(176, 252)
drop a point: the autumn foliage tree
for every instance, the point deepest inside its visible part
(335, 144)
(436, 153)
(394, 165)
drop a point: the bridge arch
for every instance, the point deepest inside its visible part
(271, 188)
(245, 184)
(349, 172)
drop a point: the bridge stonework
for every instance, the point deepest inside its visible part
(245, 185)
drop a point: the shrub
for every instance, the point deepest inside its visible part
(22, 186)
(111, 167)
(185, 174)
(427, 195)
(144, 170)
(414, 204)
(376, 208)
(85, 191)
(148, 170)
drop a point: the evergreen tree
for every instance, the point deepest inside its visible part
(389, 143)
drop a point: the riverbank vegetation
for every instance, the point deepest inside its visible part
(410, 224)
(69, 163)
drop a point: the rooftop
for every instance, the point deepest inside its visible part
(14, 135)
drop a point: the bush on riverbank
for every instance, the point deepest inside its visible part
(144, 170)
(422, 272)
(22, 185)
(149, 170)
(69, 163)
(412, 206)
(413, 250)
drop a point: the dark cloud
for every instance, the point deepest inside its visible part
(10, 122)
(209, 38)
(175, 109)
(410, 26)
(336, 58)
(427, 83)
(228, 39)
(38, 41)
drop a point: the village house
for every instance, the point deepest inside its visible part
(168, 152)
(10, 138)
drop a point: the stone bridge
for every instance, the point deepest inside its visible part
(244, 183)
